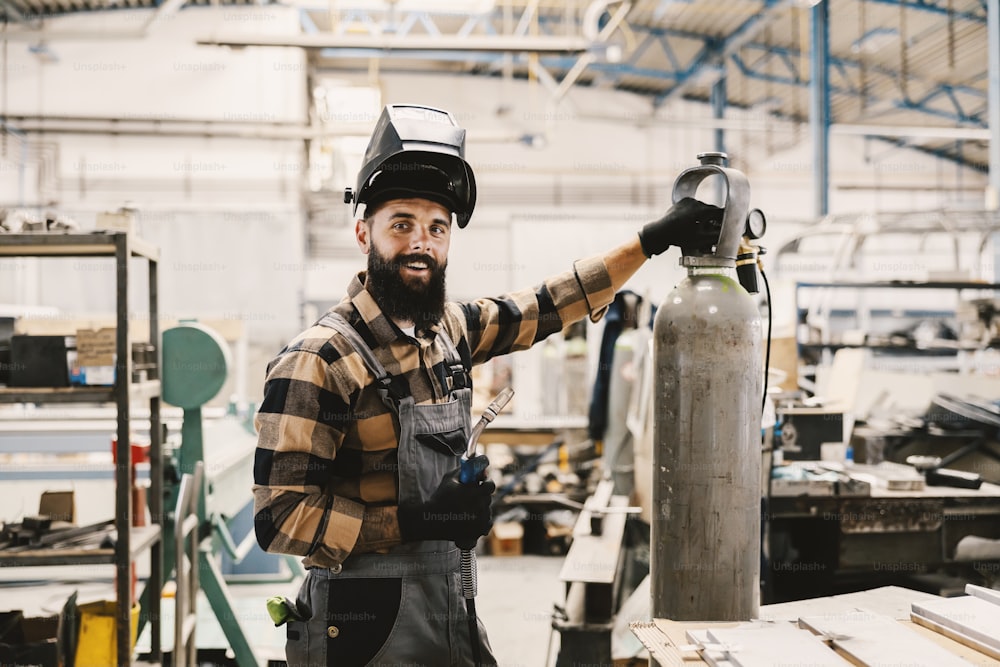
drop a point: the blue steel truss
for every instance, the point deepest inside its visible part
(949, 92)
(962, 104)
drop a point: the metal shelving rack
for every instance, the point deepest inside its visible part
(863, 314)
(131, 541)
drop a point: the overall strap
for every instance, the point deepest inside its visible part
(389, 391)
(458, 374)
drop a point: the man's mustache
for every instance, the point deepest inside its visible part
(401, 260)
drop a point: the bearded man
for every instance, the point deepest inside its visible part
(366, 413)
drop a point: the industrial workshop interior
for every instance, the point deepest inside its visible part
(529, 333)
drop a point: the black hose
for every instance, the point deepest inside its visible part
(766, 583)
(767, 354)
(477, 654)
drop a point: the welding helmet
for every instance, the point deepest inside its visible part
(416, 151)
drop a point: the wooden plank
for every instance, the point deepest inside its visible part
(987, 594)
(594, 558)
(766, 645)
(961, 650)
(600, 500)
(872, 639)
(675, 632)
(659, 647)
(965, 619)
(892, 601)
(663, 637)
(955, 635)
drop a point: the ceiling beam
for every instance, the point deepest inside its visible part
(912, 132)
(710, 58)
(9, 11)
(934, 8)
(49, 36)
(386, 45)
(37, 31)
(589, 58)
(923, 105)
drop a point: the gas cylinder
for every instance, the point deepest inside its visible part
(708, 384)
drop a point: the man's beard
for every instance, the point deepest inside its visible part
(420, 303)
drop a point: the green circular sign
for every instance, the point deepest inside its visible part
(195, 365)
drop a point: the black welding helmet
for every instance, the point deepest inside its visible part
(416, 151)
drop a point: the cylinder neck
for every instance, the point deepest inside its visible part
(709, 266)
(714, 270)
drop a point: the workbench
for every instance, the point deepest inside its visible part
(537, 431)
(666, 639)
(822, 543)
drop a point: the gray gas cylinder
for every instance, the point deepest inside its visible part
(708, 383)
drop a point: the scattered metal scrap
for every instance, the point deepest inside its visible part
(40, 532)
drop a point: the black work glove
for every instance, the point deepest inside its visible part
(690, 224)
(456, 512)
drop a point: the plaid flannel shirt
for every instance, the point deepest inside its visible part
(325, 476)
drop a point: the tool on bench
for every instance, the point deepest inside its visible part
(469, 473)
(935, 475)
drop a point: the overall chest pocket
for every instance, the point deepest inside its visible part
(442, 427)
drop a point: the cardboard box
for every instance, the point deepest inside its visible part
(58, 506)
(96, 353)
(785, 358)
(31, 640)
(122, 220)
(506, 539)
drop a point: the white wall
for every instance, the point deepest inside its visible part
(226, 212)
(165, 74)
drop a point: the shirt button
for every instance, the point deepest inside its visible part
(337, 568)
(332, 632)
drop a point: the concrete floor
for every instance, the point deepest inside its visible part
(516, 594)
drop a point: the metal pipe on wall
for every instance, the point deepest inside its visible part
(819, 116)
(993, 48)
(718, 100)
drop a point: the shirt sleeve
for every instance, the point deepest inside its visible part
(518, 320)
(306, 410)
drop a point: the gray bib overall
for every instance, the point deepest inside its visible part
(404, 607)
